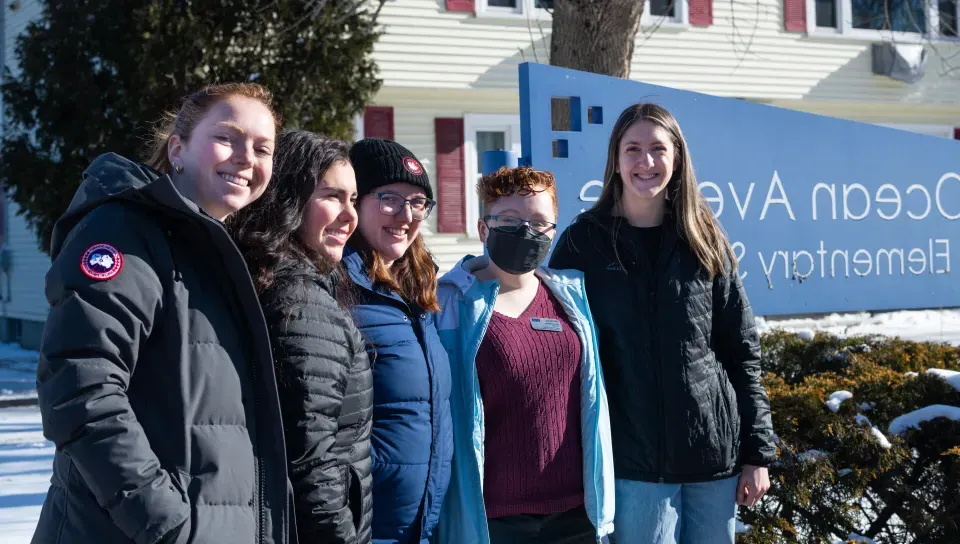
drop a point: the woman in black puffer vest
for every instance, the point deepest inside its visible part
(293, 240)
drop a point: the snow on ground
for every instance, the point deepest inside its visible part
(913, 419)
(25, 468)
(952, 377)
(919, 325)
(18, 372)
(837, 398)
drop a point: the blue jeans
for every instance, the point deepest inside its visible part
(698, 513)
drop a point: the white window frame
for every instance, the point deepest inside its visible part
(358, 127)
(525, 9)
(682, 17)
(483, 122)
(845, 25)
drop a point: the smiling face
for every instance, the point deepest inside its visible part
(389, 236)
(646, 161)
(331, 216)
(228, 160)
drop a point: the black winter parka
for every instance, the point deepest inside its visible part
(155, 380)
(680, 353)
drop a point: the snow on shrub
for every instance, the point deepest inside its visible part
(841, 476)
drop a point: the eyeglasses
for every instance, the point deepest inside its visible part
(391, 204)
(510, 223)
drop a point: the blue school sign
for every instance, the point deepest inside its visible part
(824, 214)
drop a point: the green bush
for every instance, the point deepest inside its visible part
(836, 476)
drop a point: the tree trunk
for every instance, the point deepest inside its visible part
(595, 35)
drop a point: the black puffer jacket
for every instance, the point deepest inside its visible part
(681, 355)
(326, 396)
(155, 379)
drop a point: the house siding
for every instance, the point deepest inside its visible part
(23, 290)
(745, 53)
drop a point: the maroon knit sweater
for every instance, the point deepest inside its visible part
(530, 384)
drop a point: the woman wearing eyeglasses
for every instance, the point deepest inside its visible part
(412, 441)
(533, 460)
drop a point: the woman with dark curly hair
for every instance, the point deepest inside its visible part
(293, 240)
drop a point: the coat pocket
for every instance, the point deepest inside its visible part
(183, 480)
(354, 495)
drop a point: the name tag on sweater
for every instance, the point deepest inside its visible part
(544, 324)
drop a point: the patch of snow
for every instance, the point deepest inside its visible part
(18, 371)
(811, 456)
(867, 406)
(881, 438)
(742, 527)
(917, 325)
(952, 377)
(863, 420)
(806, 334)
(927, 413)
(844, 471)
(837, 398)
(26, 465)
(911, 374)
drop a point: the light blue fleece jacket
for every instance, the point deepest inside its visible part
(466, 307)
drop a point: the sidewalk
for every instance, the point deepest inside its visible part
(18, 376)
(26, 461)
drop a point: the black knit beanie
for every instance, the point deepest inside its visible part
(378, 162)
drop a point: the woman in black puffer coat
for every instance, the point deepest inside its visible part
(690, 420)
(293, 241)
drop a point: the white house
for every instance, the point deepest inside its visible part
(450, 85)
(23, 307)
(450, 74)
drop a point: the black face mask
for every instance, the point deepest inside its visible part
(517, 252)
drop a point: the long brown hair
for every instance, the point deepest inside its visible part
(413, 276)
(695, 218)
(192, 110)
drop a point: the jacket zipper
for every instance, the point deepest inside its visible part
(418, 330)
(659, 367)
(573, 316)
(651, 287)
(476, 394)
(258, 464)
(421, 336)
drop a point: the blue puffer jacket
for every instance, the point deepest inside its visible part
(412, 441)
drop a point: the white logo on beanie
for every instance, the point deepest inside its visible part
(412, 166)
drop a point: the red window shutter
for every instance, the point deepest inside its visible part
(701, 12)
(451, 181)
(378, 122)
(460, 5)
(795, 15)
(956, 134)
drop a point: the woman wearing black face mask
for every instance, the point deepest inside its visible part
(528, 400)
